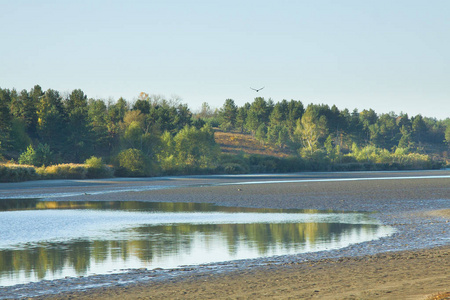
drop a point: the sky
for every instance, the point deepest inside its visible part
(384, 55)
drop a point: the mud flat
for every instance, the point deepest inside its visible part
(413, 263)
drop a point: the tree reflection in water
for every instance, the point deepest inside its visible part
(150, 245)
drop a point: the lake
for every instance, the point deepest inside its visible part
(45, 240)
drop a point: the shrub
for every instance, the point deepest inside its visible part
(381, 159)
(28, 157)
(42, 155)
(12, 173)
(233, 164)
(233, 168)
(97, 169)
(63, 171)
(226, 126)
(132, 162)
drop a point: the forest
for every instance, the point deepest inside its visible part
(54, 135)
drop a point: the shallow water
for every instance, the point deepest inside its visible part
(49, 240)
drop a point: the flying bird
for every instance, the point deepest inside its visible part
(257, 90)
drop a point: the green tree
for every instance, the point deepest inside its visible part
(30, 110)
(19, 137)
(258, 113)
(52, 121)
(28, 157)
(182, 117)
(102, 138)
(261, 133)
(331, 150)
(196, 148)
(5, 118)
(251, 121)
(419, 128)
(295, 112)
(227, 115)
(262, 109)
(241, 117)
(283, 136)
(16, 105)
(142, 103)
(367, 119)
(117, 110)
(79, 130)
(279, 113)
(388, 133)
(310, 129)
(41, 156)
(406, 141)
(447, 134)
(355, 128)
(132, 162)
(164, 116)
(272, 134)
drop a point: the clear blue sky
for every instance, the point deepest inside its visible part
(386, 55)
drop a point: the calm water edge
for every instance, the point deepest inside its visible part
(52, 239)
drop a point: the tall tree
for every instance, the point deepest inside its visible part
(98, 122)
(296, 110)
(419, 128)
(311, 128)
(388, 134)
(5, 118)
(241, 116)
(78, 138)
(227, 115)
(52, 121)
(142, 103)
(279, 112)
(368, 118)
(447, 134)
(30, 110)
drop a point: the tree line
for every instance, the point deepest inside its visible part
(154, 135)
(320, 130)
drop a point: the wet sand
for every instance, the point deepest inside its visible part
(411, 264)
(403, 275)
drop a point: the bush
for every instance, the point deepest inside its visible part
(381, 159)
(132, 162)
(233, 168)
(213, 121)
(13, 173)
(233, 164)
(97, 169)
(226, 126)
(28, 157)
(41, 156)
(63, 171)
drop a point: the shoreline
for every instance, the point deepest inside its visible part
(417, 208)
(394, 275)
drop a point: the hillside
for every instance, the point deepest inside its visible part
(236, 143)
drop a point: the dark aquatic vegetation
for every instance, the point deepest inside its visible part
(50, 239)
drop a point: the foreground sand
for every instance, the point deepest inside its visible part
(418, 208)
(403, 275)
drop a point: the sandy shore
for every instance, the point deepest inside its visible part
(402, 275)
(411, 264)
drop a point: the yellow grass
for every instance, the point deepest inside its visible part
(236, 143)
(440, 296)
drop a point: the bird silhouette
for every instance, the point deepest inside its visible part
(257, 90)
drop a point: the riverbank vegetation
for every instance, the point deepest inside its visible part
(46, 134)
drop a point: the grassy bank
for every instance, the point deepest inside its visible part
(13, 173)
(226, 164)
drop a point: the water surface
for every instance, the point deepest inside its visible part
(49, 239)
